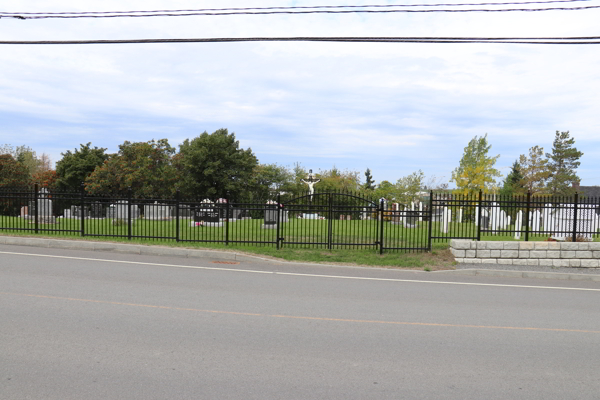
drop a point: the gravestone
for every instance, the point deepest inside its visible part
(518, 224)
(411, 219)
(236, 212)
(437, 214)
(121, 211)
(111, 212)
(185, 211)
(96, 210)
(244, 214)
(24, 211)
(157, 212)
(485, 222)
(271, 216)
(44, 205)
(210, 215)
(31, 210)
(76, 212)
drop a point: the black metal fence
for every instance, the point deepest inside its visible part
(571, 218)
(330, 220)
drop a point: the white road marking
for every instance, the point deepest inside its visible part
(301, 274)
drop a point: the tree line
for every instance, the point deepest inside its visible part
(537, 172)
(214, 166)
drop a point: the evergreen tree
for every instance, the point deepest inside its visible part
(76, 166)
(370, 183)
(564, 160)
(512, 183)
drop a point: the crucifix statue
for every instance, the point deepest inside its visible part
(311, 181)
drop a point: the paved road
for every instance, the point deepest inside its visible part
(90, 325)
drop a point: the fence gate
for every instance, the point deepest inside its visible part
(330, 220)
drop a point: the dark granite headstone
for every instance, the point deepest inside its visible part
(206, 215)
(271, 216)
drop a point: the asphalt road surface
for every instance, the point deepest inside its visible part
(89, 325)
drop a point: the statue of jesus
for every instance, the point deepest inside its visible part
(311, 182)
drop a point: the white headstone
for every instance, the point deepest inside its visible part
(518, 224)
(446, 217)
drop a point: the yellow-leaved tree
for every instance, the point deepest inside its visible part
(476, 169)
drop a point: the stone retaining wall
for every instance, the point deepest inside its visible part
(551, 254)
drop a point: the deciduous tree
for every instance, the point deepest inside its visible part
(476, 169)
(534, 169)
(214, 165)
(146, 167)
(12, 172)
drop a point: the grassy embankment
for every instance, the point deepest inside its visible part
(358, 239)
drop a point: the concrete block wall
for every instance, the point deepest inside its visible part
(551, 254)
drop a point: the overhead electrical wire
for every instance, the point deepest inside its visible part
(298, 10)
(302, 7)
(438, 40)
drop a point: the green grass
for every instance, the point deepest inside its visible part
(358, 237)
(294, 231)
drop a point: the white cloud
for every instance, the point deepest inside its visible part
(395, 108)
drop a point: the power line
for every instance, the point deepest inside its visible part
(217, 12)
(439, 40)
(296, 7)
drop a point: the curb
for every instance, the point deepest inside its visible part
(526, 274)
(126, 248)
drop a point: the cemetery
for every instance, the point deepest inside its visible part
(314, 220)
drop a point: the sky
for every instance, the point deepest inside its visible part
(394, 108)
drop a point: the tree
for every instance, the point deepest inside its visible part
(385, 190)
(512, 183)
(12, 172)
(26, 157)
(408, 187)
(268, 180)
(146, 167)
(563, 161)
(341, 181)
(76, 166)
(476, 169)
(534, 170)
(46, 178)
(369, 182)
(213, 165)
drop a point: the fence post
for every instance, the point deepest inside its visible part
(129, 213)
(82, 205)
(227, 219)
(380, 219)
(430, 220)
(35, 208)
(177, 199)
(479, 216)
(575, 217)
(528, 207)
(278, 228)
(330, 221)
